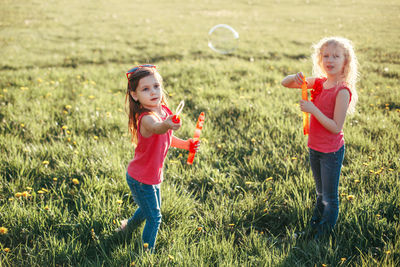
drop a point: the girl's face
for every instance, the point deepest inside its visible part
(149, 92)
(333, 59)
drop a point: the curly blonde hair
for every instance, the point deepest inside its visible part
(350, 70)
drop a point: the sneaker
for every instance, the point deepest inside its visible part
(122, 227)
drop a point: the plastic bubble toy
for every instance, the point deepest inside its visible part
(223, 39)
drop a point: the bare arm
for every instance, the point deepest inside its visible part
(179, 143)
(295, 81)
(334, 125)
(150, 125)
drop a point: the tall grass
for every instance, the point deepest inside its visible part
(62, 118)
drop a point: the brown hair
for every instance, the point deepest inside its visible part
(135, 109)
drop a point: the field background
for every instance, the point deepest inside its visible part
(62, 90)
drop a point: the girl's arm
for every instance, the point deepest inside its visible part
(334, 125)
(179, 143)
(150, 125)
(185, 144)
(296, 80)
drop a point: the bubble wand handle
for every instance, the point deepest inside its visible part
(304, 96)
(196, 136)
(176, 118)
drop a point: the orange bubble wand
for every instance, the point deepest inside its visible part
(196, 138)
(304, 96)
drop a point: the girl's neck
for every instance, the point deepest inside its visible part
(157, 110)
(334, 80)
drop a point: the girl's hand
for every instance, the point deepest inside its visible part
(194, 145)
(307, 106)
(173, 126)
(298, 78)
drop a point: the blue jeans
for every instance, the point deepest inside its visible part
(148, 198)
(326, 169)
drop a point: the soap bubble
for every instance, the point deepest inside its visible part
(223, 39)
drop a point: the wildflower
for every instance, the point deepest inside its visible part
(231, 224)
(253, 140)
(45, 190)
(18, 194)
(91, 97)
(114, 222)
(119, 201)
(132, 263)
(26, 194)
(378, 216)
(268, 179)
(249, 183)
(29, 188)
(65, 112)
(68, 107)
(387, 252)
(356, 181)
(343, 260)
(40, 192)
(145, 245)
(22, 125)
(265, 210)
(55, 179)
(65, 127)
(343, 194)
(390, 169)
(199, 228)
(95, 137)
(45, 162)
(350, 197)
(365, 164)
(294, 158)
(46, 207)
(3, 230)
(6, 250)
(324, 265)
(11, 199)
(75, 181)
(171, 258)
(39, 80)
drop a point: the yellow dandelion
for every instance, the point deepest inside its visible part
(65, 127)
(45, 190)
(324, 265)
(268, 179)
(378, 216)
(171, 258)
(55, 179)
(219, 146)
(249, 183)
(45, 162)
(132, 263)
(390, 169)
(3, 230)
(6, 250)
(343, 194)
(22, 125)
(10, 199)
(145, 245)
(91, 97)
(357, 181)
(343, 259)
(199, 228)
(265, 210)
(365, 164)
(68, 132)
(5, 90)
(18, 194)
(294, 158)
(65, 112)
(350, 197)
(180, 155)
(114, 222)
(253, 140)
(40, 192)
(119, 201)
(75, 181)
(39, 80)
(95, 137)
(46, 207)
(387, 252)
(29, 188)
(231, 224)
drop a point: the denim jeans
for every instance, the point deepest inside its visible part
(148, 198)
(326, 169)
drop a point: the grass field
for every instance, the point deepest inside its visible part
(65, 145)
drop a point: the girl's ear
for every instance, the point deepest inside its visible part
(133, 95)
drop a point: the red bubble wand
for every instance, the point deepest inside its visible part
(176, 118)
(196, 138)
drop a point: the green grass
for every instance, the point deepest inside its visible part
(63, 63)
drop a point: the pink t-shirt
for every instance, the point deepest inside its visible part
(319, 138)
(147, 164)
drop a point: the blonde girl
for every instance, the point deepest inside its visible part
(333, 95)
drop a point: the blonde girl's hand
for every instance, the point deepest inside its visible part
(298, 78)
(307, 106)
(173, 126)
